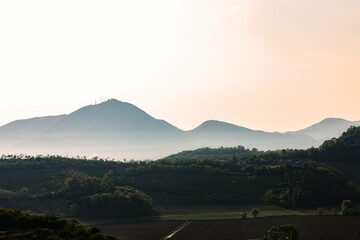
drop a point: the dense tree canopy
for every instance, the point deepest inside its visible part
(41, 227)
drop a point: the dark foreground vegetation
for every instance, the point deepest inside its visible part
(16, 224)
(97, 188)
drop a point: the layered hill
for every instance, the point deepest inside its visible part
(121, 130)
(215, 133)
(327, 128)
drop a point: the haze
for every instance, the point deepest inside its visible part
(272, 65)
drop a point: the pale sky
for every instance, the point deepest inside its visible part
(274, 65)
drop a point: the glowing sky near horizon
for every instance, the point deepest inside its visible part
(273, 65)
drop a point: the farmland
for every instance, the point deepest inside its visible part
(309, 227)
(223, 211)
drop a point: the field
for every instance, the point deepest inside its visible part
(222, 211)
(309, 227)
(141, 230)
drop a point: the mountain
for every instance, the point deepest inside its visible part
(28, 127)
(216, 133)
(112, 128)
(121, 130)
(326, 129)
(111, 118)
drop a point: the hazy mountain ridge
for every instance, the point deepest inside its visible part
(119, 129)
(111, 117)
(37, 125)
(216, 133)
(327, 128)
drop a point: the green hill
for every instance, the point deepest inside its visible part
(78, 187)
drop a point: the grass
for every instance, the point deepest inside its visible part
(213, 212)
(173, 212)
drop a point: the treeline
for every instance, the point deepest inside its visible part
(346, 148)
(214, 153)
(17, 224)
(55, 161)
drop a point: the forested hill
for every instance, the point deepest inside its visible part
(346, 148)
(16, 224)
(290, 178)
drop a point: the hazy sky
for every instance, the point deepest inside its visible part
(275, 65)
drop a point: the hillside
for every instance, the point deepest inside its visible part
(343, 153)
(16, 224)
(288, 178)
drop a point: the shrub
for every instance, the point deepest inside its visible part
(280, 232)
(346, 207)
(320, 211)
(334, 212)
(255, 212)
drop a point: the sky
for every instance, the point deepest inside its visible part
(274, 65)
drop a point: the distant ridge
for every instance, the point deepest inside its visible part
(327, 128)
(111, 116)
(121, 130)
(219, 126)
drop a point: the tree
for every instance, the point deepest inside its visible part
(24, 192)
(321, 211)
(334, 212)
(346, 207)
(268, 197)
(255, 212)
(243, 215)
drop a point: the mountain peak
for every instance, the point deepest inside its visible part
(111, 101)
(215, 125)
(327, 128)
(110, 108)
(333, 120)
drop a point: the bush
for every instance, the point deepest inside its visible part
(346, 207)
(334, 212)
(255, 212)
(280, 232)
(320, 211)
